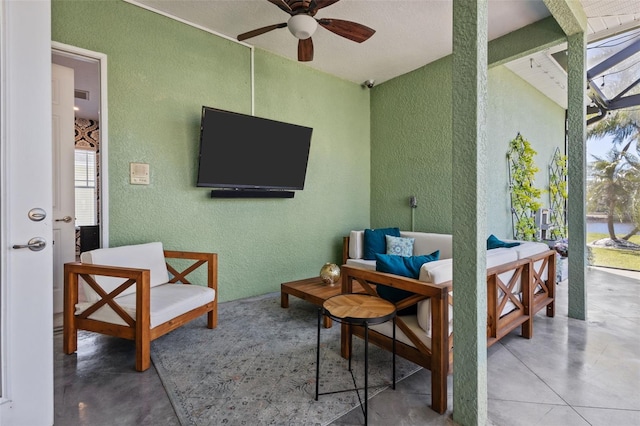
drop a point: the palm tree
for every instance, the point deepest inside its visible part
(632, 182)
(616, 179)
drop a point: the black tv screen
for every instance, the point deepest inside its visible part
(247, 152)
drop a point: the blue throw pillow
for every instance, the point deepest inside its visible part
(493, 242)
(407, 266)
(375, 241)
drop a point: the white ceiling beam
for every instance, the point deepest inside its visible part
(569, 14)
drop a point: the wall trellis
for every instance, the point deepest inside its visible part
(558, 195)
(524, 195)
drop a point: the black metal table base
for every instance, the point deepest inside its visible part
(363, 405)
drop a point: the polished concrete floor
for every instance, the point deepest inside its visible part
(571, 373)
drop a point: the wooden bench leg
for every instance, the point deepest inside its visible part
(284, 303)
(143, 353)
(438, 394)
(70, 331)
(212, 317)
(143, 327)
(551, 309)
(70, 339)
(527, 328)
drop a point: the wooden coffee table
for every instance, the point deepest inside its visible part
(313, 290)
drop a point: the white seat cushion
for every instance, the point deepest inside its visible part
(361, 263)
(442, 271)
(528, 248)
(531, 248)
(437, 272)
(144, 256)
(167, 302)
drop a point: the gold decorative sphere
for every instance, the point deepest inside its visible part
(330, 273)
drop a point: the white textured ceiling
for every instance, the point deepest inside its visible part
(409, 34)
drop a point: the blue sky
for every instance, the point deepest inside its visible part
(600, 147)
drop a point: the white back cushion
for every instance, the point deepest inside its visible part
(428, 242)
(425, 243)
(144, 256)
(529, 248)
(501, 258)
(356, 244)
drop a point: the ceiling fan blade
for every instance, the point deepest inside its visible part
(319, 4)
(282, 5)
(305, 50)
(259, 31)
(347, 29)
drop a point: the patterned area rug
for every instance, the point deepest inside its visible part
(258, 366)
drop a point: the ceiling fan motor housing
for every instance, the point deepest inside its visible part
(302, 26)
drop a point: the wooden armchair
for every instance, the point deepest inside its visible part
(132, 293)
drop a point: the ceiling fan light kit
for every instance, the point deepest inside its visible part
(302, 26)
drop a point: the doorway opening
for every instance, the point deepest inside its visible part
(90, 188)
(87, 147)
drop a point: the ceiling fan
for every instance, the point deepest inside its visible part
(302, 25)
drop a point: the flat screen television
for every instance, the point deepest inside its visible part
(252, 154)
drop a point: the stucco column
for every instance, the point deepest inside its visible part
(469, 211)
(576, 171)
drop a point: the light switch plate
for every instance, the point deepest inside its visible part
(139, 173)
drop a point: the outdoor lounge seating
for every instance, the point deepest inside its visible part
(520, 282)
(133, 293)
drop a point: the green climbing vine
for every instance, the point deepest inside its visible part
(524, 195)
(558, 194)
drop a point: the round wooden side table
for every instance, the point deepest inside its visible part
(359, 310)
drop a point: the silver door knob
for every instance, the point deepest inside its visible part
(34, 244)
(65, 219)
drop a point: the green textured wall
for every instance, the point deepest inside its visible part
(411, 149)
(411, 145)
(160, 73)
(516, 106)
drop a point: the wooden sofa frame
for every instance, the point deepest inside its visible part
(138, 328)
(536, 295)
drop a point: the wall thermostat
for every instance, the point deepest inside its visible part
(139, 173)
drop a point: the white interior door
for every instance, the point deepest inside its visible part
(26, 321)
(63, 213)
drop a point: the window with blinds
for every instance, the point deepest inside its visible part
(85, 187)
